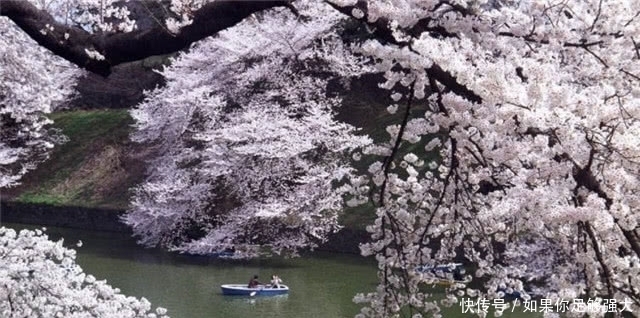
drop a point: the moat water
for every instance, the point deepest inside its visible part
(322, 285)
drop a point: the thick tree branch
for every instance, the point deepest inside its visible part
(606, 272)
(72, 43)
(585, 178)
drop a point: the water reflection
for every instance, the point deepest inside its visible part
(255, 299)
(321, 285)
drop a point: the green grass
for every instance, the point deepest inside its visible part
(82, 171)
(43, 198)
(86, 130)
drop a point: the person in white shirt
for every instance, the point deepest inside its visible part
(275, 281)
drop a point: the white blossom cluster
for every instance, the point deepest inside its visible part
(519, 137)
(92, 15)
(40, 278)
(250, 152)
(32, 83)
(184, 11)
(532, 110)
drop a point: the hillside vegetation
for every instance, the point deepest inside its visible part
(99, 165)
(96, 167)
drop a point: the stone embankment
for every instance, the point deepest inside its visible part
(93, 219)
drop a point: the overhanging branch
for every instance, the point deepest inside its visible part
(381, 29)
(72, 43)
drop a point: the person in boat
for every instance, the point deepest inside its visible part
(254, 282)
(275, 281)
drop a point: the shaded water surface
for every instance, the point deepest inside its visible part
(321, 285)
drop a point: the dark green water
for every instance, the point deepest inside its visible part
(321, 285)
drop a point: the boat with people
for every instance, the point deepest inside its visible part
(256, 288)
(444, 268)
(260, 290)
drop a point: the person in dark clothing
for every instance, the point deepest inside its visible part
(254, 282)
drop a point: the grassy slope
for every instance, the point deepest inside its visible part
(95, 168)
(99, 164)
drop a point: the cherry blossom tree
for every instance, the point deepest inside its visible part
(33, 82)
(250, 156)
(40, 278)
(518, 129)
(532, 111)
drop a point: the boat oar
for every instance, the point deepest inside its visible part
(253, 293)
